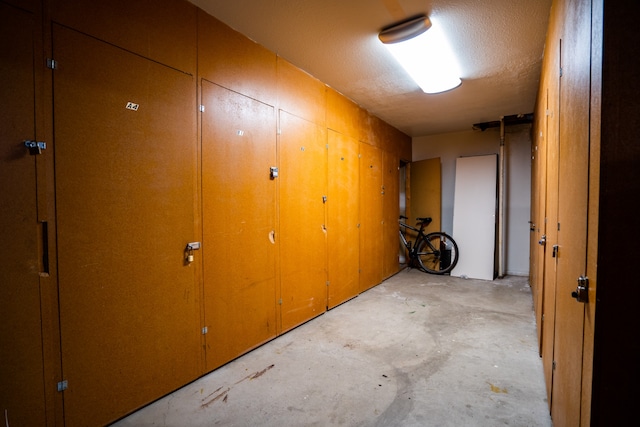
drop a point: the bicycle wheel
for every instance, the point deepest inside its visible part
(438, 253)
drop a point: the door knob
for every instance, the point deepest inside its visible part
(581, 294)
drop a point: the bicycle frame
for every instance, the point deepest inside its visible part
(413, 249)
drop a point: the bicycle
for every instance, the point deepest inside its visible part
(435, 252)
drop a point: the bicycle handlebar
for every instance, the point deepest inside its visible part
(421, 221)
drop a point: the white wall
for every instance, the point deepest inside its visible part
(450, 146)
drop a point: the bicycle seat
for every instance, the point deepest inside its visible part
(426, 220)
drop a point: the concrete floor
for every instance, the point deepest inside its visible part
(417, 350)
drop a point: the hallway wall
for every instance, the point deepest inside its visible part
(162, 127)
(518, 180)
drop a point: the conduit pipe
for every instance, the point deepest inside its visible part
(501, 200)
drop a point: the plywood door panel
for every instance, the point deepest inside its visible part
(303, 243)
(238, 199)
(22, 393)
(391, 212)
(125, 187)
(474, 216)
(550, 262)
(232, 60)
(573, 189)
(426, 192)
(550, 202)
(540, 219)
(161, 30)
(371, 217)
(342, 218)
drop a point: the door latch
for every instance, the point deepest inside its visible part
(193, 246)
(581, 294)
(35, 147)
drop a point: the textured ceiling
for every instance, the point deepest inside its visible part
(499, 45)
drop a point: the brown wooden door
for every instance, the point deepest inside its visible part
(573, 190)
(22, 393)
(391, 213)
(552, 152)
(426, 192)
(371, 217)
(342, 218)
(125, 157)
(538, 218)
(303, 242)
(238, 199)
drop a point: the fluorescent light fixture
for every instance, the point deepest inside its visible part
(420, 46)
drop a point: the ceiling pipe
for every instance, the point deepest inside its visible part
(514, 119)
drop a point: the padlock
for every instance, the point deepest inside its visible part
(190, 258)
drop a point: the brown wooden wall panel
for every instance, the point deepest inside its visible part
(161, 30)
(573, 191)
(301, 94)
(22, 394)
(345, 117)
(371, 217)
(343, 218)
(34, 6)
(239, 219)
(303, 242)
(390, 212)
(125, 188)
(230, 59)
(391, 139)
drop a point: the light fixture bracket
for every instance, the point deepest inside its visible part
(405, 30)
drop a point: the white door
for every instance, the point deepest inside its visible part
(474, 216)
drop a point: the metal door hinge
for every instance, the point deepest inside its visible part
(328, 283)
(543, 240)
(324, 199)
(63, 385)
(280, 301)
(205, 330)
(553, 365)
(52, 64)
(273, 172)
(202, 108)
(554, 254)
(35, 147)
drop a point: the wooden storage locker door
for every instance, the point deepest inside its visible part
(391, 213)
(125, 154)
(238, 197)
(303, 244)
(342, 219)
(573, 192)
(426, 192)
(21, 370)
(371, 217)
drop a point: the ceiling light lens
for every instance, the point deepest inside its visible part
(429, 61)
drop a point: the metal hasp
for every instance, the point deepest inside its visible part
(543, 240)
(192, 246)
(581, 294)
(35, 147)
